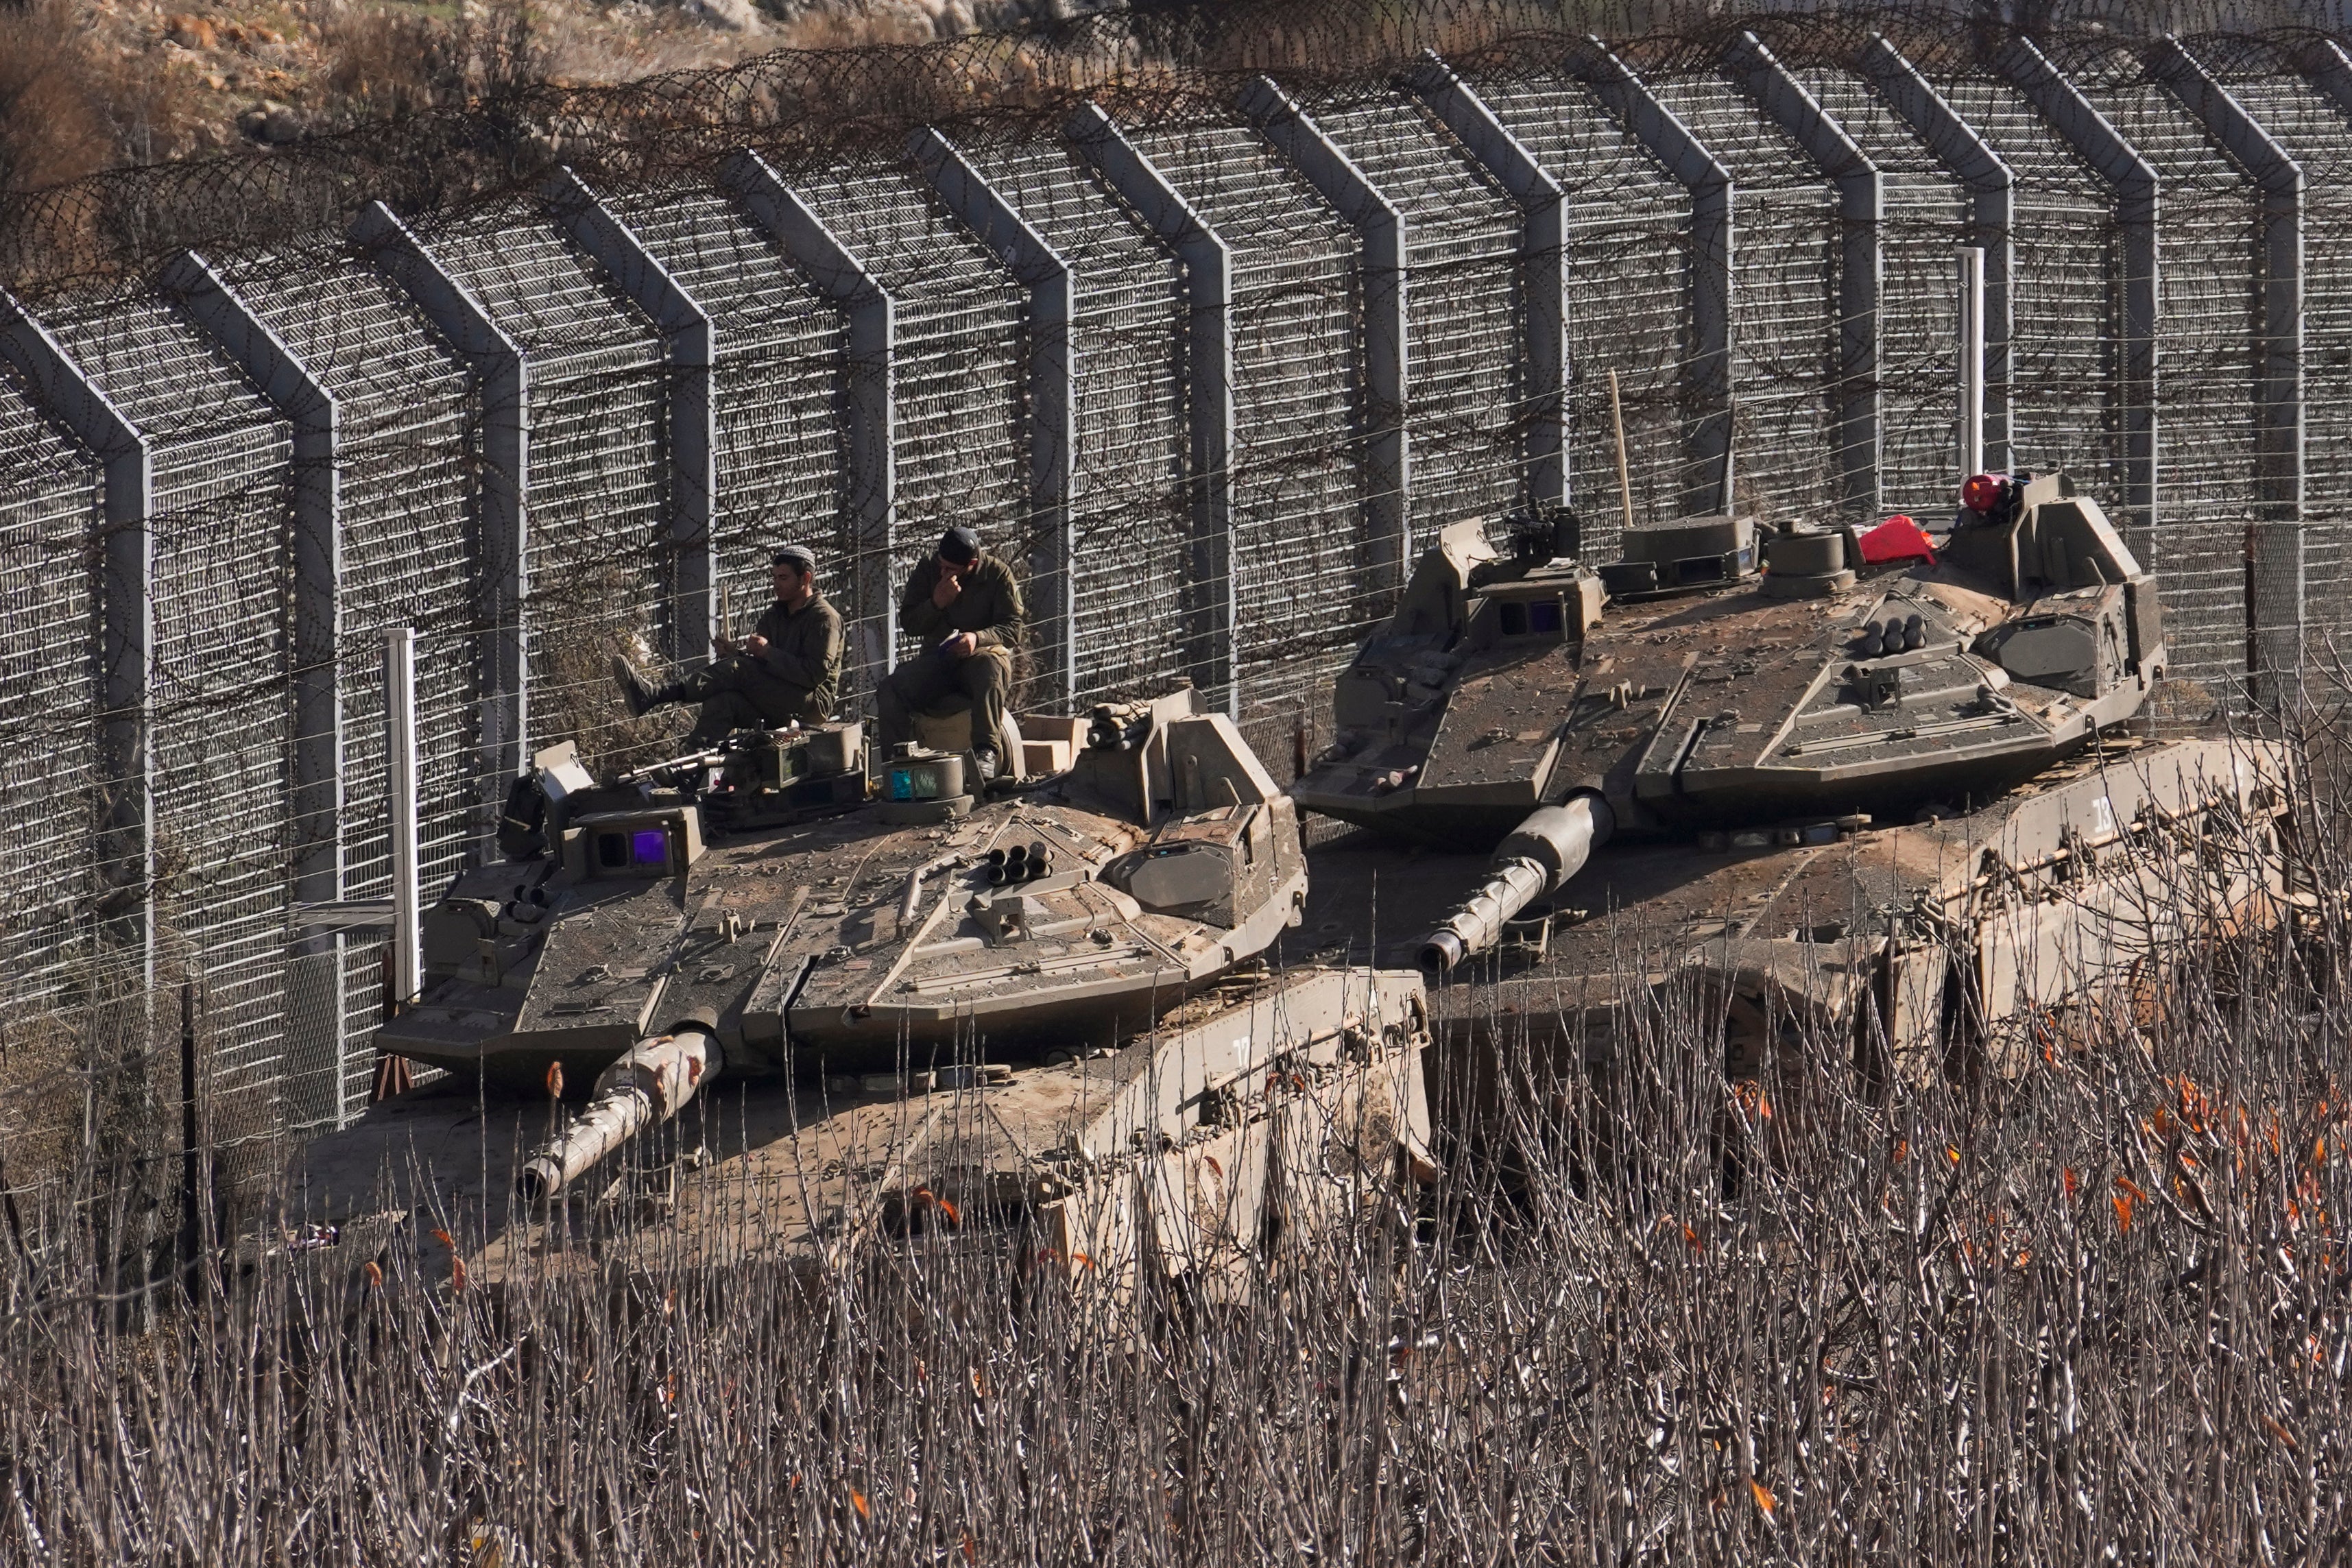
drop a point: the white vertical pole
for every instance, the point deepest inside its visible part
(1972, 360)
(400, 765)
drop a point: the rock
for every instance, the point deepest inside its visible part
(726, 15)
(272, 121)
(192, 32)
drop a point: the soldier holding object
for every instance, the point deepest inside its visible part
(965, 606)
(787, 670)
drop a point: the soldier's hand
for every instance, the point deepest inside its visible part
(724, 644)
(962, 645)
(755, 645)
(947, 589)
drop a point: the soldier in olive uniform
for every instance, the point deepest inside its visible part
(788, 670)
(966, 610)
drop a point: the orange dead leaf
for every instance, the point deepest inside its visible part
(2126, 1184)
(950, 1210)
(1901, 1147)
(971, 1553)
(374, 1275)
(979, 1383)
(1692, 1237)
(2070, 1181)
(1080, 1257)
(2282, 1434)
(857, 1501)
(2123, 1211)
(1764, 1500)
(442, 1237)
(1952, 1153)
(456, 1274)
(555, 1080)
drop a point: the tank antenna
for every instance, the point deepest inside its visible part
(1617, 424)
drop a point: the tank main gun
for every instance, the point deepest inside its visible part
(1534, 861)
(649, 1084)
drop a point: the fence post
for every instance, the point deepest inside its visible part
(1972, 360)
(1543, 271)
(1211, 655)
(872, 493)
(1388, 374)
(1710, 472)
(460, 317)
(126, 617)
(690, 343)
(1992, 215)
(1053, 396)
(1862, 210)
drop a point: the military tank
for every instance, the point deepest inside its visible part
(1834, 772)
(1031, 1010)
(786, 904)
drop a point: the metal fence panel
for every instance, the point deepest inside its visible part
(1129, 517)
(49, 518)
(1462, 312)
(2316, 132)
(218, 536)
(2207, 485)
(598, 556)
(1302, 603)
(1925, 221)
(776, 384)
(1784, 294)
(958, 377)
(2065, 396)
(406, 447)
(1629, 233)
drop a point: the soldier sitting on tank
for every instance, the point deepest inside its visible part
(787, 670)
(965, 607)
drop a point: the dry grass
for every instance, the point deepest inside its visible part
(1649, 1315)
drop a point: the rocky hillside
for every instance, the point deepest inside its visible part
(92, 84)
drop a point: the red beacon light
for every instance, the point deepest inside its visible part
(1985, 492)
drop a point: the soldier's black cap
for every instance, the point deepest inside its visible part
(960, 545)
(799, 556)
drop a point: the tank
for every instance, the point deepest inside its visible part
(1792, 757)
(786, 903)
(1035, 1007)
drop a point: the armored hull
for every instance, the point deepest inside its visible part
(1917, 950)
(1261, 1108)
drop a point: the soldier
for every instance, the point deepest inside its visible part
(966, 608)
(788, 670)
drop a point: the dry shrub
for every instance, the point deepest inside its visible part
(383, 63)
(53, 123)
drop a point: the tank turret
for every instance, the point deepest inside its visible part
(1854, 675)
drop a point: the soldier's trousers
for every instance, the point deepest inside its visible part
(736, 693)
(930, 683)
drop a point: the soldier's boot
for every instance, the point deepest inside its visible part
(642, 695)
(984, 762)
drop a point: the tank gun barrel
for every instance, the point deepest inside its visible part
(1538, 857)
(651, 1083)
